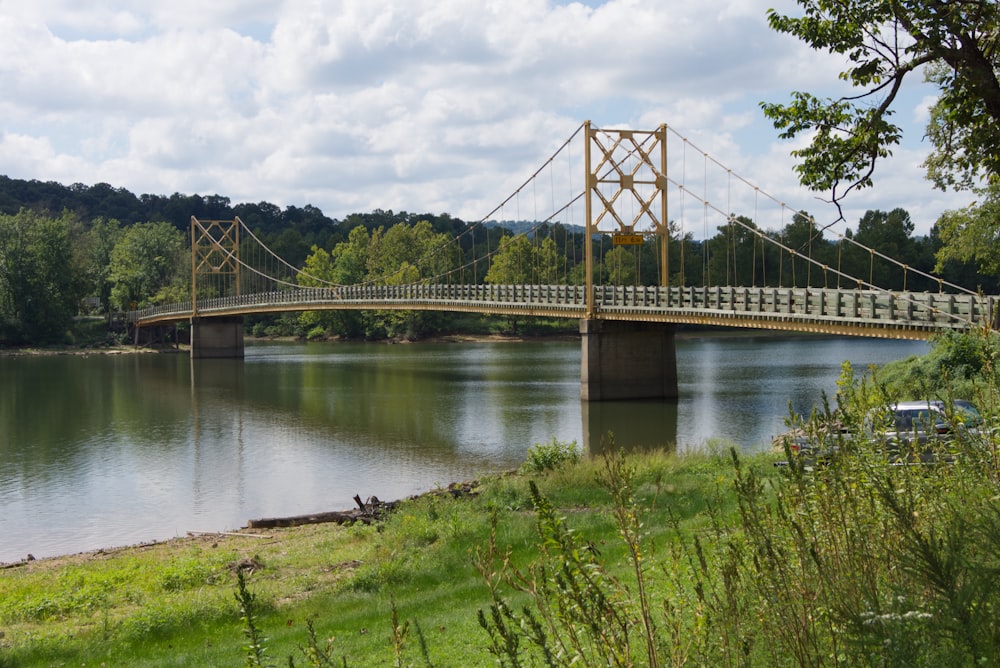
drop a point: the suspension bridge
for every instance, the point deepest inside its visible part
(642, 192)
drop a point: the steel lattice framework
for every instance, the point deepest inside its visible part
(215, 249)
(627, 179)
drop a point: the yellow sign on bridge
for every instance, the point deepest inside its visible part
(627, 239)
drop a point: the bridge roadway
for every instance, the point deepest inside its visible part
(871, 313)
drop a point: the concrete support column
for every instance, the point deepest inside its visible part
(217, 338)
(627, 360)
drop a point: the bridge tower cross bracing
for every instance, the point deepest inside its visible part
(627, 179)
(215, 252)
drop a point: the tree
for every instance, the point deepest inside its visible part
(263, 217)
(318, 271)
(95, 252)
(620, 265)
(406, 254)
(288, 245)
(810, 252)
(40, 280)
(684, 253)
(513, 262)
(344, 266)
(549, 263)
(350, 258)
(889, 234)
(954, 42)
(971, 234)
(733, 254)
(145, 262)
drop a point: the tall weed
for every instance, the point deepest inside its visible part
(863, 561)
(580, 614)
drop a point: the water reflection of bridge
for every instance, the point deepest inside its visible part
(627, 330)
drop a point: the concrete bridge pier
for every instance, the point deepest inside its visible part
(627, 360)
(217, 338)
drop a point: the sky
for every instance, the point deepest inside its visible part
(425, 106)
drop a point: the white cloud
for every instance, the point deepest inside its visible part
(422, 105)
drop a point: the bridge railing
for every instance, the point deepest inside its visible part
(918, 308)
(923, 310)
(376, 295)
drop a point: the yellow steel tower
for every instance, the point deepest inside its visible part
(627, 181)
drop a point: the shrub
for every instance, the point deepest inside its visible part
(543, 457)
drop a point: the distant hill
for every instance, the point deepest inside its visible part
(103, 200)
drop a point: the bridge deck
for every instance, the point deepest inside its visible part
(910, 315)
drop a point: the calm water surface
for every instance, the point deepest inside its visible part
(98, 451)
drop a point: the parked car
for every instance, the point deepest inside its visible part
(917, 430)
(908, 431)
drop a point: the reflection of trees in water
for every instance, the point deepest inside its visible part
(54, 407)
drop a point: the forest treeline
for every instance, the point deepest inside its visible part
(79, 250)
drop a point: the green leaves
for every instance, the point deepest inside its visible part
(519, 261)
(39, 290)
(884, 41)
(145, 260)
(847, 139)
(401, 255)
(971, 234)
(837, 27)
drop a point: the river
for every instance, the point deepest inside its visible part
(107, 450)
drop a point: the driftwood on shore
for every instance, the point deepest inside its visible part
(367, 512)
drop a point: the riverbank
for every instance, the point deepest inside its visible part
(369, 512)
(76, 350)
(171, 602)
